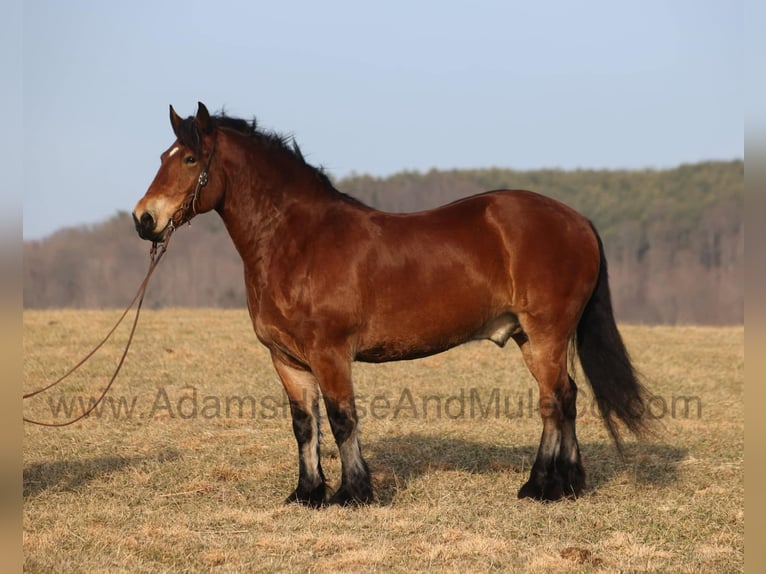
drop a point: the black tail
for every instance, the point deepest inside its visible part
(606, 363)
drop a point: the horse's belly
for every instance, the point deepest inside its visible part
(413, 341)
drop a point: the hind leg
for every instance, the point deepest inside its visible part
(557, 471)
(570, 466)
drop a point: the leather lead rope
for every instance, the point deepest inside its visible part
(156, 254)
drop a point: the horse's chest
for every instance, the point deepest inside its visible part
(278, 324)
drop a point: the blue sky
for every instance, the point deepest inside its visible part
(372, 88)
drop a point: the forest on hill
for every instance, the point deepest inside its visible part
(674, 240)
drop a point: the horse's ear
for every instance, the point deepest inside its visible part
(175, 121)
(202, 119)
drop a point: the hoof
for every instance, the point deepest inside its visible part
(574, 485)
(358, 496)
(549, 491)
(531, 489)
(567, 484)
(572, 479)
(312, 498)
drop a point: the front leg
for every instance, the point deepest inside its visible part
(302, 392)
(355, 486)
(333, 372)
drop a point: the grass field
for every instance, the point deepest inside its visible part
(185, 467)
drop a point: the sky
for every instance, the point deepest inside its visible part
(370, 88)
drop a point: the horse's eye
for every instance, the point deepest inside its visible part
(190, 160)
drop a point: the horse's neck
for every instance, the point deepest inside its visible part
(257, 201)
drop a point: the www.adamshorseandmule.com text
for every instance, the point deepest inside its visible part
(189, 402)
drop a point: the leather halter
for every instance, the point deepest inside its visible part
(190, 202)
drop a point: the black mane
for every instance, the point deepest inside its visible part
(188, 135)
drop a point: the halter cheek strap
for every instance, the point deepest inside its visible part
(191, 201)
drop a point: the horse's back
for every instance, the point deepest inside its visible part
(526, 233)
(516, 210)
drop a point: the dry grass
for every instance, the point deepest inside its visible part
(158, 492)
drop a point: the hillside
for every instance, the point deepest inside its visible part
(674, 239)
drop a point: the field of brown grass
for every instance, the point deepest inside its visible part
(185, 466)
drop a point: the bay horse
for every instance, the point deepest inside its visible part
(330, 280)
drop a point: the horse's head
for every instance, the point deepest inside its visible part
(181, 188)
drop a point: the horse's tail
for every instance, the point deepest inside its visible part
(606, 363)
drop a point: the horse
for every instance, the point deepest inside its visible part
(330, 280)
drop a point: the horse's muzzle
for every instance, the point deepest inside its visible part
(145, 225)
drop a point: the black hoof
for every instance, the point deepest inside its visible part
(359, 495)
(566, 483)
(312, 498)
(548, 491)
(531, 489)
(574, 481)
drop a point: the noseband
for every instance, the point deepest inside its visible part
(190, 202)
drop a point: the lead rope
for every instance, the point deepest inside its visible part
(155, 254)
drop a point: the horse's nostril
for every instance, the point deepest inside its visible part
(147, 221)
(144, 224)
